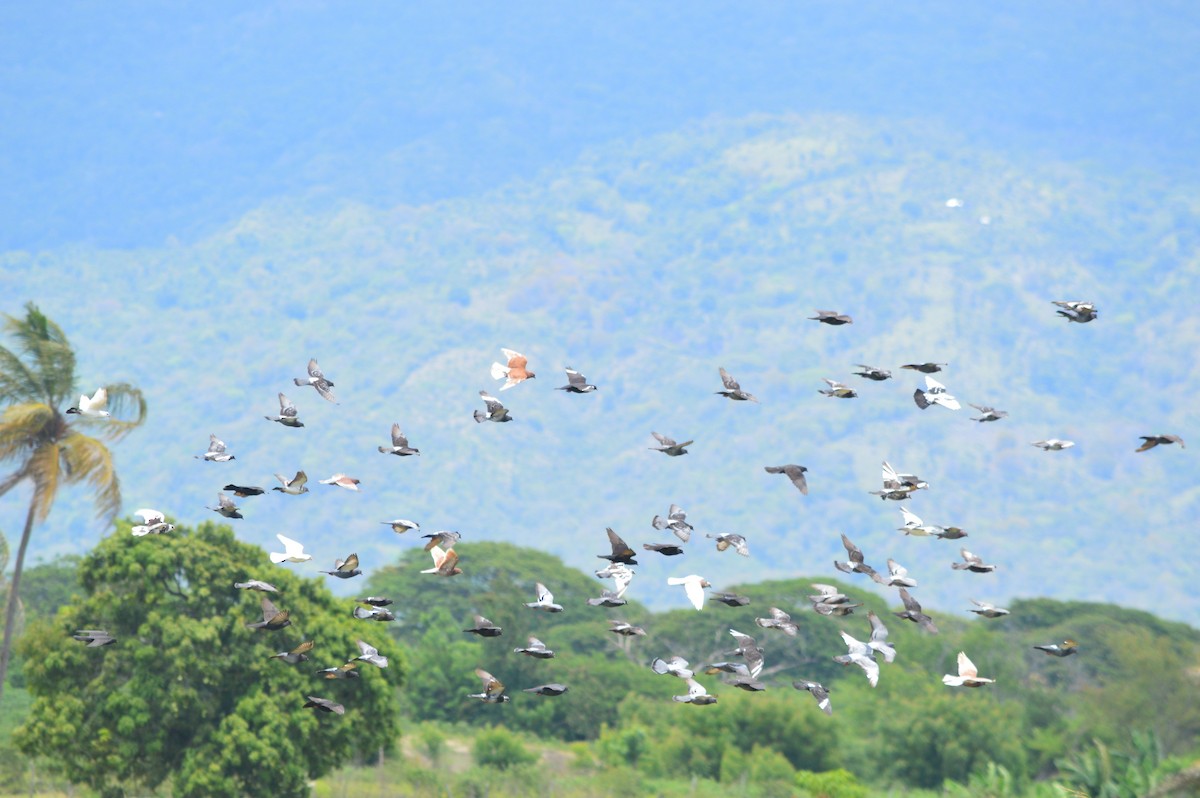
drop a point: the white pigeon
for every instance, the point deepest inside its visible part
(897, 576)
(696, 694)
(862, 655)
(1053, 445)
(342, 481)
(292, 552)
(954, 202)
(913, 525)
(878, 641)
(621, 575)
(402, 525)
(968, 674)
(94, 407)
(216, 451)
(545, 600)
(934, 394)
(153, 523)
(694, 587)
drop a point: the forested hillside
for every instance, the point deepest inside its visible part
(647, 265)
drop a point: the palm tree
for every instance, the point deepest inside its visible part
(49, 447)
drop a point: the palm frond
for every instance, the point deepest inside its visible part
(23, 427)
(44, 468)
(45, 343)
(87, 459)
(17, 382)
(121, 397)
(12, 480)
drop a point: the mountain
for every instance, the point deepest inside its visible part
(647, 265)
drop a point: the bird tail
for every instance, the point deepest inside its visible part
(299, 381)
(480, 416)
(277, 557)
(139, 531)
(433, 570)
(953, 681)
(499, 372)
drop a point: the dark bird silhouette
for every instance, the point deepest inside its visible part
(484, 628)
(241, 491)
(1154, 440)
(576, 383)
(1064, 649)
(831, 317)
(730, 599)
(95, 638)
(793, 472)
(620, 550)
(872, 373)
(324, 705)
(666, 549)
(547, 689)
(925, 368)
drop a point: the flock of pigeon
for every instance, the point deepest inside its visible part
(827, 601)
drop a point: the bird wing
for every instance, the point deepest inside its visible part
(515, 360)
(449, 562)
(695, 593)
(286, 408)
(298, 481)
(971, 558)
(663, 439)
(225, 502)
(99, 399)
(215, 444)
(398, 438)
(314, 370)
(492, 403)
(933, 385)
(150, 517)
(910, 518)
(544, 596)
(348, 564)
(491, 685)
(303, 648)
(269, 610)
(619, 547)
(729, 382)
(879, 632)
(910, 603)
(290, 546)
(965, 666)
(366, 649)
(895, 569)
(853, 552)
(575, 378)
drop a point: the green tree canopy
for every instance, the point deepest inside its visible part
(187, 694)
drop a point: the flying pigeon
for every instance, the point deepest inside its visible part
(779, 620)
(676, 521)
(912, 612)
(402, 525)
(1064, 649)
(514, 372)
(376, 601)
(545, 600)
(968, 674)
(694, 587)
(317, 380)
(934, 394)
(347, 671)
(732, 389)
(819, 692)
(793, 472)
(445, 563)
(153, 523)
(294, 486)
(216, 451)
(872, 373)
(898, 486)
(547, 689)
(855, 565)
(608, 598)
(373, 614)
(621, 576)
(1053, 445)
(837, 389)
(972, 563)
(287, 413)
(342, 481)
(536, 649)
(626, 629)
(736, 668)
(495, 411)
(676, 666)
(399, 446)
(225, 507)
(730, 599)
(292, 552)
(878, 641)
(296, 655)
(747, 684)
(95, 638)
(1154, 440)
(242, 491)
(255, 584)
(727, 539)
(749, 651)
(696, 695)
(988, 413)
(324, 705)
(862, 655)
(92, 408)
(831, 317)
(273, 618)
(368, 653)
(576, 383)
(484, 628)
(830, 610)
(828, 595)
(897, 576)
(493, 688)
(925, 368)
(669, 447)
(442, 538)
(665, 549)
(620, 550)
(345, 569)
(988, 610)
(1081, 312)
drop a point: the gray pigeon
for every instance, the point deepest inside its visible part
(495, 411)
(730, 599)
(779, 620)
(912, 612)
(226, 507)
(442, 538)
(669, 447)
(484, 628)
(402, 525)
(399, 446)
(972, 563)
(345, 569)
(831, 317)
(216, 451)
(95, 638)
(727, 539)
(676, 521)
(988, 610)
(1081, 312)
(988, 413)
(317, 380)
(676, 666)
(296, 655)
(287, 413)
(733, 390)
(536, 649)
(793, 472)
(368, 653)
(625, 629)
(736, 668)
(837, 390)
(747, 684)
(547, 689)
(545, 600)
(897, 576)
(872, 373)
(855, 565)
(273, 618)
(324, 705)
(878, 641)
(576, 383)
(255, 584)
(696, 695)
(925, 368)
(347, 671)
(242, 491)
(750, 652)
(493, 689)
(373, 614)
(294, 486)
(376, 601)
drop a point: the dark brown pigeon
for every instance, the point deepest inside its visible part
(793, 472)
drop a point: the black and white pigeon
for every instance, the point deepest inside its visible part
(216, 451)
(973, 563)
(294, 486)
(912, 612)
(545, 600)
(288, 416)
(1150, 441)
(1053, 445)
(535, 648)
(444, 538)
(749, 651)
(399, 446)
(727, 539)
(669, 447)
(1081, 312)
(317, 380)
(255, 584)
(779, 620)
(620, 550)
(402, 525)
(273, 620)
(484, 628)
(153, 523)
(878, 641)
(368, 653)
(552, 689)
(345, 569)
(732, 389)
(819, 692)
(696, 694)
(862, 655)
(242, 491)
(831, 317)
(925, 368)
(493, 689)
(872, 373)
(897, 576)
(324, 705)
(676, 666)
(665, 549)
(225, 507)
(95, 638)
(676, 521)
(934, 394)
(988, 413)
(576, 383)
(897, 486)
(855, 564)
(296, 655)
(730, 599)
(495, 411)
(988, 610)
(837, 390)
(625, 629)
(793, 472)
(376, 601)
(373, 614)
